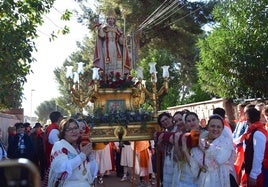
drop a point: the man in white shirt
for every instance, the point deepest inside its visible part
(52, 132)
(256, 152)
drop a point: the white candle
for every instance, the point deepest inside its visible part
(152, 67)
(165, 71)
(95, 75)
(80, 68)
(76, 77)
(69, 72)
(143, 82)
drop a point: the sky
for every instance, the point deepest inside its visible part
(41, 84)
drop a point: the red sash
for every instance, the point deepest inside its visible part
(49, 145)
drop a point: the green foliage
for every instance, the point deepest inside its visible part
(45, 108)
(81, 55)
(233, 57)
(19, 21)
(197, 95)
(177, 36)
(66, 15)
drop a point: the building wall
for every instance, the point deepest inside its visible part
(205, 108)
(7, 120)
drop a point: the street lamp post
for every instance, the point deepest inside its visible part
(31, 107)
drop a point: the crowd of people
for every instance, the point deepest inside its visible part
(215, 154)
(64, 155)
(185, 153)
(58, 151)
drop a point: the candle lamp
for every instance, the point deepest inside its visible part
(80, 91)
(154, 94)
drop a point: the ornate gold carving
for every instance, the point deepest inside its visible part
(134, 131)
(120, 132)
(132, 96)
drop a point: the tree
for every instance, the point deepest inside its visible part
(19, 22)
(233, 57)
(176, 35)
(45, 108)
(82, 54)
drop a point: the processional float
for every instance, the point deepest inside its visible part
(117, 96)
(117, 99)
(121, 98)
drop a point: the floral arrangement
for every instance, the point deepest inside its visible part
(117, 117)
(115, 80)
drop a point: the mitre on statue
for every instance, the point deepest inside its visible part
(111, 14)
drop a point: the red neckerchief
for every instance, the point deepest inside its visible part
(255, 126)
(51, 127)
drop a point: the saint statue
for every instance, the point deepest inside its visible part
(111, 54)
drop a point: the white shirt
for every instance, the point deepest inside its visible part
(240, 129)
(53, 136)
(259, 143)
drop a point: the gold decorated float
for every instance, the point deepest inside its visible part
(106, 133)
(112, 89)
(115, 100)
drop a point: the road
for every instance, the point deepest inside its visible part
(113, 181)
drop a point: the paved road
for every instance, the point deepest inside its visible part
(113, 181)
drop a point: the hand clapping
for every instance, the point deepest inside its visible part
(87, 149)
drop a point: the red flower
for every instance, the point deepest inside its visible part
(120, 82)
(117, 75)
(111, 74)
(64, 150)
(102, 82)
(112, 84)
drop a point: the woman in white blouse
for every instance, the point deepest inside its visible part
(70, 163)
(212, 162)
